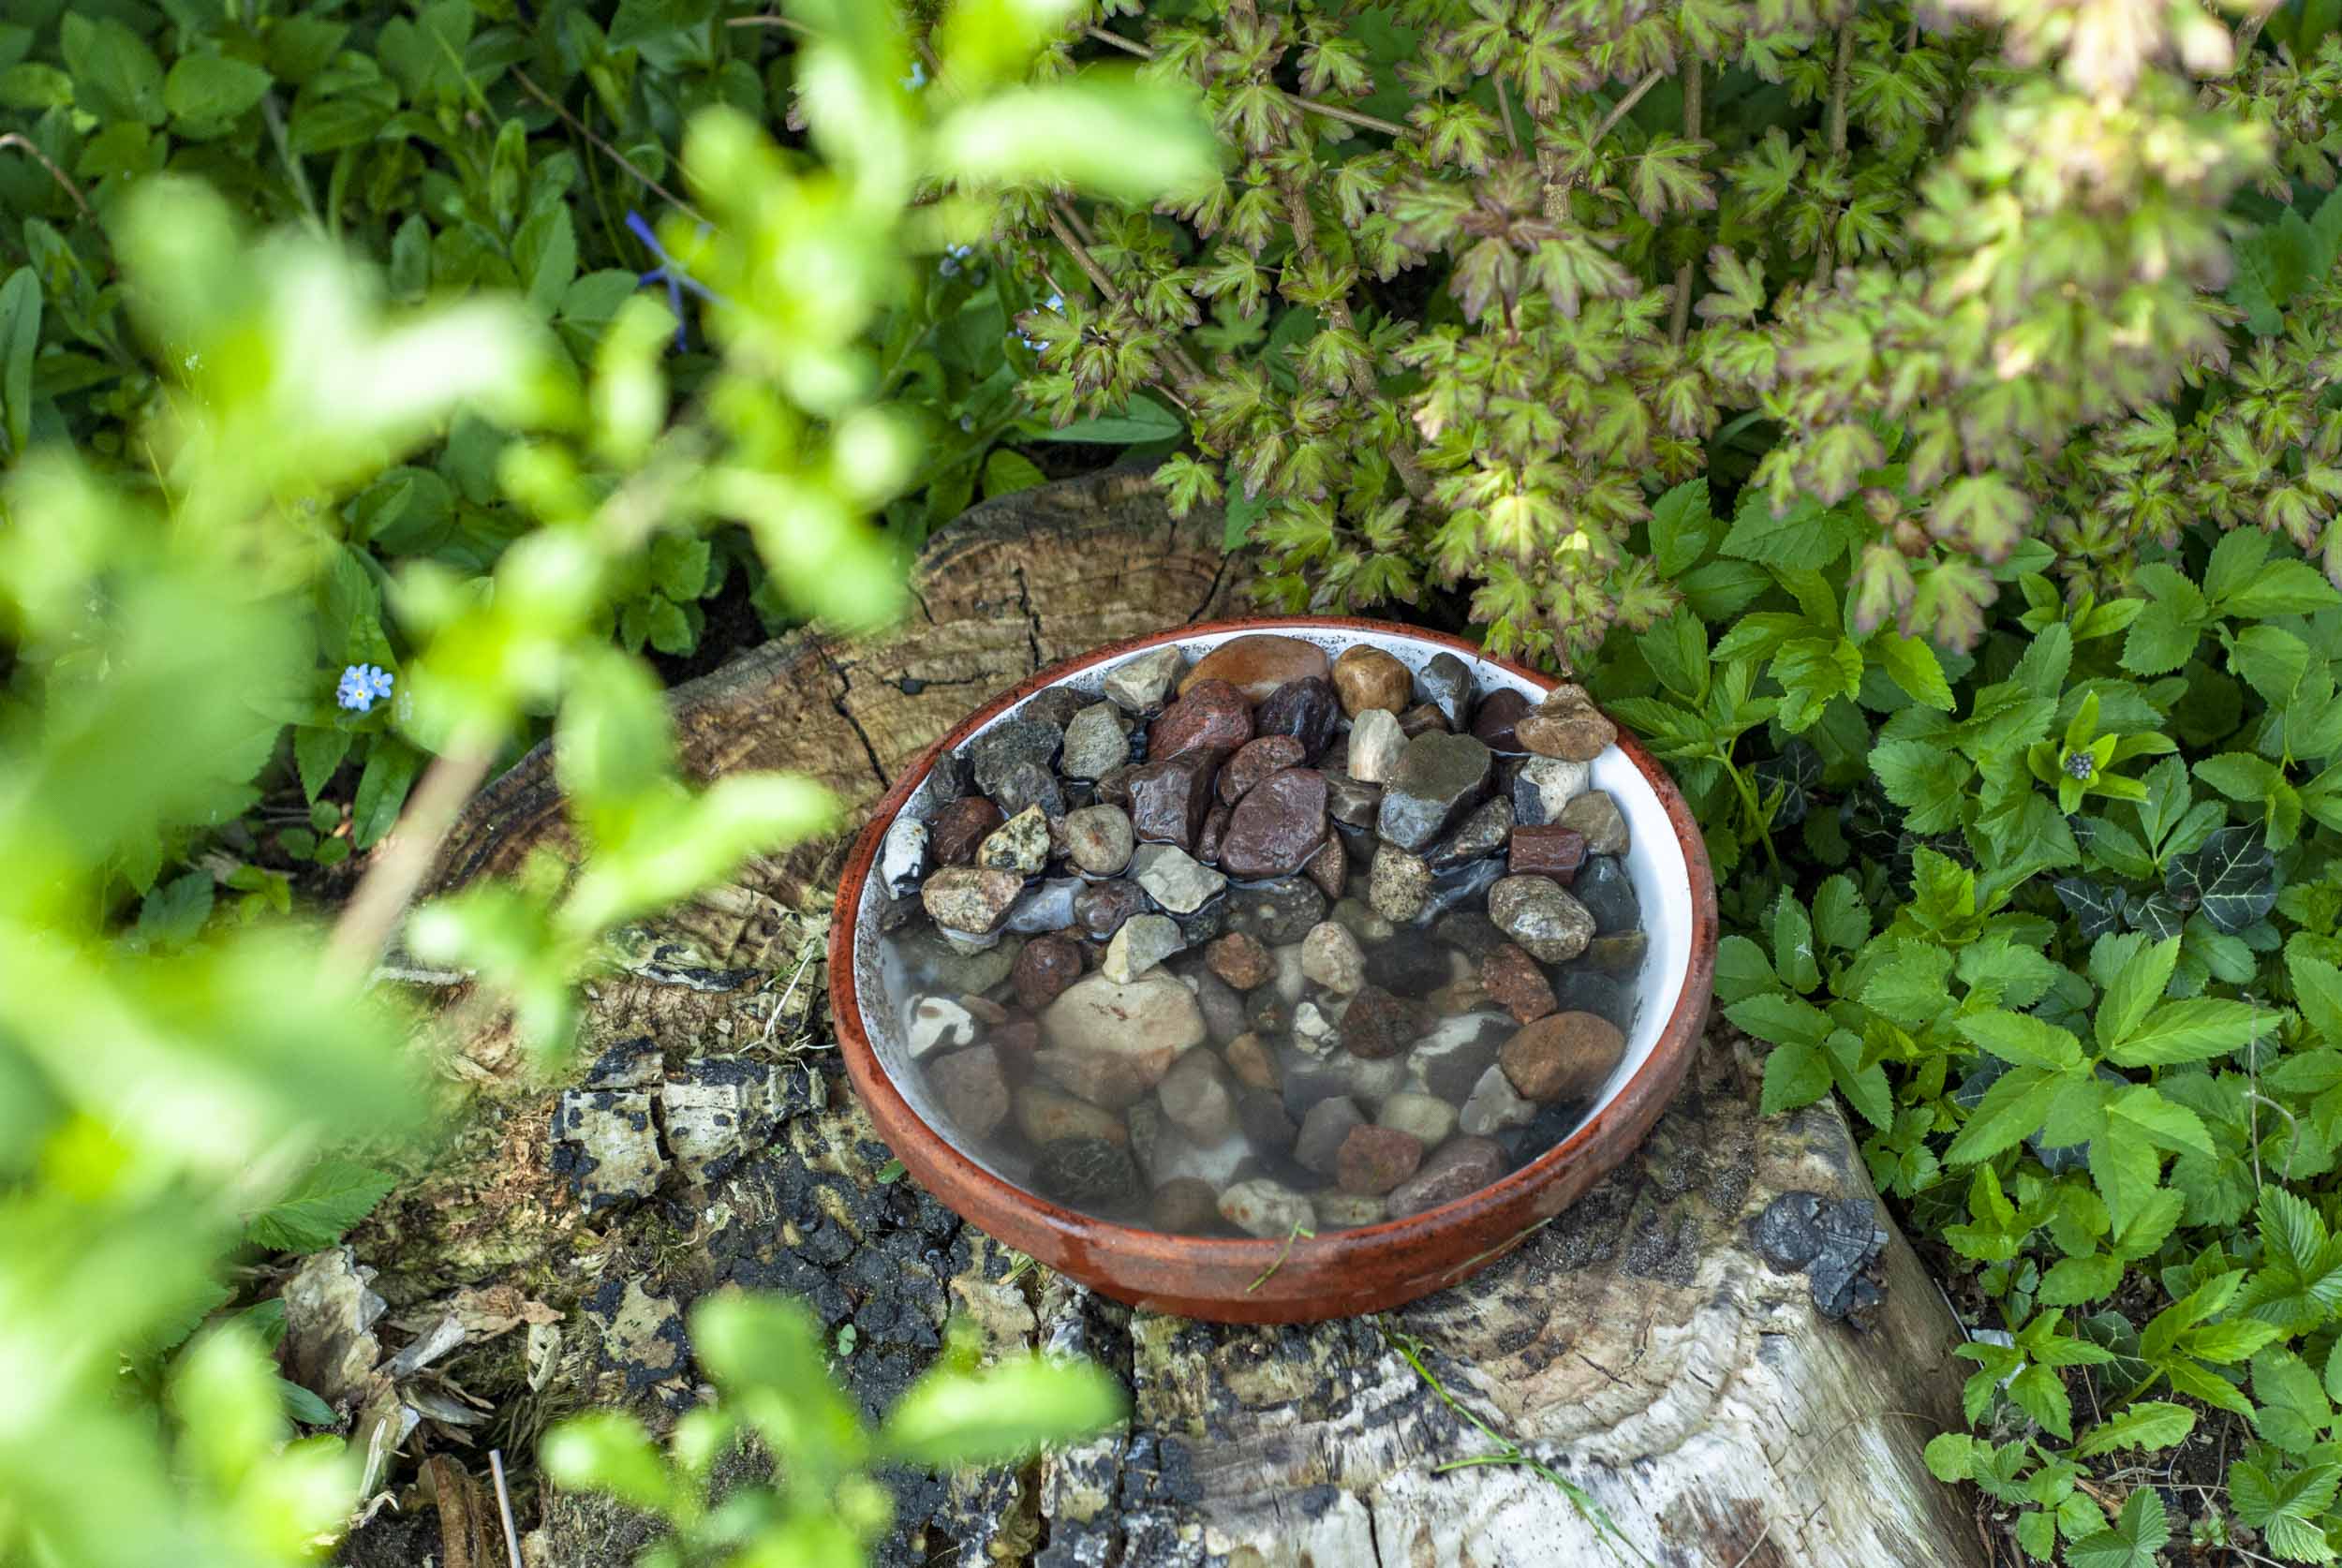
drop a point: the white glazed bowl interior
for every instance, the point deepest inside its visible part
(1655, 863)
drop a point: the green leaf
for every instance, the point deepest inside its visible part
(2023, 1040)
(2150, 1425)
(2135, 987)
(317, 750)
(1796, 1074)
(321, 1207)
(2139, 1533)
(206, 91)
(1841, 918)
(1793, 956)
(1681, 527)
(2317, 991)
(1929, 784)
(1807, 535)
(2196, 1030)
(173, 914)
(382, 787)
(304, 1406)
(1001, 1414)
(2232, 877)
(1007, 471)
(2160, 1120)
(1741, 970)
(1142, 418)
(1781, 1019)
(607, 1451)
(1913, 666)
(2016, 1105)
(114, 72)
(20, 336)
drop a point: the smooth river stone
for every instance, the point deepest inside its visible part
(1090, 1173)
(1535, 912)
(1552, 850)
(1258, 664)
(973, 1090)
(1143, 942)
(1100, 907)
(1209, 715)
(1352, 802)
(1566, 1056)
(1106, 1079)
(1099, 840)
(1277, 826)
(959, 827)
(903, 857)
(1607, 890)
(1046, 1114)
(1046, 906)
(1544, 785)
(1596, 815)
(1306, 710)
(1154, 1017)
(1452, 1058)
(1422, 719)
(1170, 799)
(1046, 966)
(1494, 1107)
(1568, 725)
(1254, 760)
(1374, 1160)
(1456, 1169)
(1445, 683)
(1376, 745)
(1183, 1205)
(1265, 1208)
(1140, 683)
(1331, 957)
(1493, 720)
(1367, 677)
(1198, 1096)
(968, 899)
(1097, 742)
(1323, 1128)
(1439, 778)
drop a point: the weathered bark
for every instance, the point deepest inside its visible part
(1639, 1347)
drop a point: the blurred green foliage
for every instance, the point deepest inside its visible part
(209, 428)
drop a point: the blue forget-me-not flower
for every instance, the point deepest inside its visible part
(362, 686)
(668, 272)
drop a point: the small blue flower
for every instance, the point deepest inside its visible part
(362, 686)
(953, 257)
(668, 272)
(2081, 766)
(917, 79)
(1054, 303)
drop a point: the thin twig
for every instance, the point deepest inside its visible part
(504, 1506)
(608, 151)
(1841, 73)
(25, 144)
(1131, 46)
(1332, 110)
(1681, 319)
(1505, 109)
(1362, 381)
(789, 22)
(390, 882)
(1624, 106)
(275, 118)
(1186, 373)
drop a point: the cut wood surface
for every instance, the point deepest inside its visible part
(1666, 1394)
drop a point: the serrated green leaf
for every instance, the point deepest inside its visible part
(332, 1196)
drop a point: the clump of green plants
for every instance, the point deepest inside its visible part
(1485, 280)
(179, 1080)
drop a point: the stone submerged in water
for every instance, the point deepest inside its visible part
(1596, 814)
(935, 1022)
(970, 900)
(1568, 725)
(1565, 1055)
(1620, 955)
(1209, 715)
(1535, 912)
(1352, 802)
(1104, 1078)
(1338, 1210)
(1141, 683)
(959, 827)
(930, 955)
(1266, 1208)
(1257, 664)
(1452, 1058)
(1142, 944)
(1153, 1016)
(1427, 1116)
(1377, 1025)
(1047, 1115)
(1457, 1167)
(1086, 1173)
(1099, 840)
(1100, 907)
(1175, 879)
(1494, 1105)
(1170, 799)
(1367, 677)
(1552, 850)
(1608, 892)
(1262, 1117)
(1277, 912)
(1439, 778)
(1324, 1127)
(1582, 988)
(1329, 867)
(1330, 957)
(1305, 711)
(1239, 960)
(1254, 1065)
(1277, 826)
(1199, 1097)
(1374, 1160)
(1045, 968)
(1397, 884)
(971, 1088)
(1183, 1205)
(1097, 742)
(1515, 982)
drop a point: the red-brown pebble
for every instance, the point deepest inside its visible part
(1374, 1159)
(1277, 826)
(1565, 1055)
(1515, 982)
(1459, 1168)
(1377, 1025)
(1047, 965)
(1329, 869)
(1256, 665)
(1552, 850)
(956, 830)
(1254, 760)
(1209, 715)
(1240, 959)
(1494, 719)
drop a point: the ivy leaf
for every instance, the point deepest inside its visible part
(2096, 908)
(2231, 878)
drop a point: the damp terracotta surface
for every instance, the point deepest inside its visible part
(1337, 1274)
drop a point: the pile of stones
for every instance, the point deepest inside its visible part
(1268, 942)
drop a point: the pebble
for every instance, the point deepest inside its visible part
(1099, 840)
(1620, 955)
(1586, 989)
(1470, 932)
(959, 827)
(1494, 719)
(1209, 715)
(973, 1090)
(1140, 683)
(1198, 1096)
(1310, 1079)
(1045, 1115)
(1483, 833)
(1175, 879)
(1263, 1208)
(1170, 799)
(1277, 912)
(1240, 960)
(1323, 1128)
(1367, 677)
(1397, 884)
(1514, 982)
(1568, 725)
(1254, 760)
(1143, 942)
(1154, 1017)
(1305, 710)
(903, 856)
(1278, 825)
(1537, 914)
(993, 753)
(1351, 801)
(1423, 718)
(1565, 1056)
(1290, 980)
(1607, 890)
(1355, 916)
(1046, 906)
(1253, 1064)
(1046, 966)
(1377, 745)
(966, 899)
(1258, 664)
(1021, 844)
(933, 1023)
(1104, 1078)
(1377, 1025)
(1206, 925)
(1374, 1159)
(1445, 683)
(1330, 957)
(1428, 1118)
(1452, 1058)
(1544, 785)
(1552, 850)
(1097, 742)
(1086, 1172)
(1459, 1168)
(1346, 1211)
(1412, 967)
(1261, 1116)
(1183, 1205)
(1596, 815)
(1100, 907)
(1313, 1028)
(1461, 887)
(1329, 869)
(1223, 1009)
(1493, 1106)
(1028, 786)
(1440, 777)
(1215, 829)
(930, 953)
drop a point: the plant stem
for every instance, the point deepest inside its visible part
(1362, 379)
(275, 118)
(1185, 372)
(24, 145)
(1754, 808)
(1681, 322)
(1624, 106)
(1331, 111)
(1504, 109)
(1835, 130)
(390, 882)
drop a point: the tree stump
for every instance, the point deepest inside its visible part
(1649, 1378)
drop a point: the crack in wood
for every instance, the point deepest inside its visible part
(1032, 622)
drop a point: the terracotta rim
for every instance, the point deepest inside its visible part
(1035, 1226)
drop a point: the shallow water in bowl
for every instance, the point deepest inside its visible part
(1165, 1043)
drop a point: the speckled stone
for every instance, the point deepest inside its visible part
(1099, 840)
(1397, 884)
(1021, 844)
(1457, 1168)
(1264, 1207)
(1175, 879)
(1254, 760)
(967, 899)
(1374, 1159)
(1544, 785)
(1329, 867)
(1515, 982)
(1377, 1025)
(1046, 966)
(1088, 1173)
(1481, 835)
(1096, 742)
(1535, 912)
(971, 1088)
(1278, 911)
(1143, 942)
(1240, 960)
(1470, 932)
